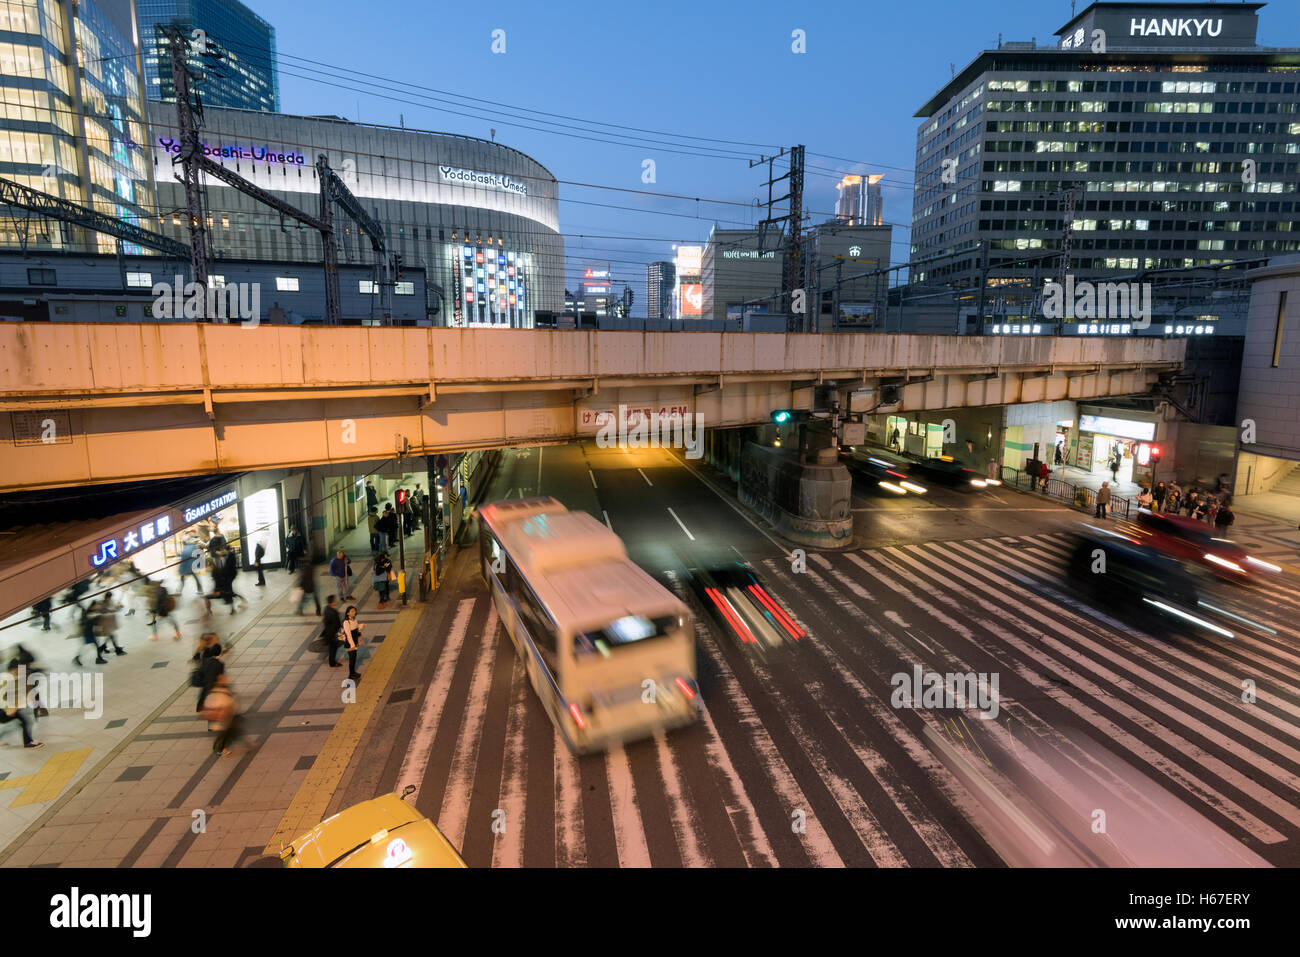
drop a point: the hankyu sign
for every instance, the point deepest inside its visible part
(1174, 27)
(469, 177)
(256, 154)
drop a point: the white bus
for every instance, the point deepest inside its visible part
(610, 651)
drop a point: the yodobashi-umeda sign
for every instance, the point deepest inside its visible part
(1164, 25)
(469, 177)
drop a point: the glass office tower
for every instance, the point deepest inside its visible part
(246, 79)
(73, 117)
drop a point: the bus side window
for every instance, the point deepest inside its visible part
(536, 621)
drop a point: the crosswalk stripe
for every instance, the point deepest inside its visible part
(453, 819)
(508, 848)
(741, 812)
(629, 831)
(570, 838)
(1086, 713)
(685, 825)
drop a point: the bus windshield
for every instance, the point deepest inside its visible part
(622, 632)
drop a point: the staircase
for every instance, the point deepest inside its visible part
(1289, 485)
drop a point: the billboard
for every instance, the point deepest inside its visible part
(692, 300)
(689, 260)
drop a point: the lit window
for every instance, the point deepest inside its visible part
(286, 283)
(217, 282)
(139, 280)
(367, 287)
(404, 289)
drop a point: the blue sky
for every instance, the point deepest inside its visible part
(718, 70)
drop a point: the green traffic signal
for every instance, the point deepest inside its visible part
(781, 416)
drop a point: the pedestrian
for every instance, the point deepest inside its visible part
(191, 557)
(222, 712)
(380, 576)
(1158, 496)
(1224, 519)
(1192, 503)
(163, 606)
(1172, 497)
(330, 625)
(388, 524)
(1032, 469)
(372, 498)
(372, 523)
(1060, 459)
(106, 625)
(88, 636)
(1145, 498)
(417, 504)
(352, 639)
(25, 720)
(294, 549)
(341, 569)
(1043, 472)
(893, 438)
(408, 518)
(1103, 499)
(27, 660)
(216, 541)
(1114, 466)
(42, 611)
(224, 570)
(210, 668)
(307, 586)
(259, 552)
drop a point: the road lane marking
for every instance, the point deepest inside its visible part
(593, 479)
(607, 522)
(318, 789)
(647, 478)
(682, 524)
(416, 760)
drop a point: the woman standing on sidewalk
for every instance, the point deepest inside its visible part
(352, 639)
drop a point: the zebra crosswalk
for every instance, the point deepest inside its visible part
(1106, 745)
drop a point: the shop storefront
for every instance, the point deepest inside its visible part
(924, 439)
(1115, 447)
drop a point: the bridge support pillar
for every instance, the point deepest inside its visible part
(808, 502)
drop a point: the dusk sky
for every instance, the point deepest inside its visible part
(704, 73)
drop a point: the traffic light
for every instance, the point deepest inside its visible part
(401, 497)
(1155, 454)
(397, 266)
(782, 416)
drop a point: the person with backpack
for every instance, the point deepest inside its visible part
(163, 607)
(341, 569)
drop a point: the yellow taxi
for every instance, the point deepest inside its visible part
(382, 832)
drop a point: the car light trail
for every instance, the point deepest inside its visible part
(1192, 618)
(1263, 564)
(913, 487)
(1223, 562)
(770, 604)
(1246, 621)
(891, 487)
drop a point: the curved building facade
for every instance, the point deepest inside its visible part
(482, 219)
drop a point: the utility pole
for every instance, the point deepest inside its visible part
(1067, 232)
(178, 45)
(792, 273)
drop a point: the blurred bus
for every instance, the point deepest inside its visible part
(610, 651)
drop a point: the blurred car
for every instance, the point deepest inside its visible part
(951, 471)
(734, 597)
(1188, 540)
(881, 470)
(382, 832)
(1135, 581)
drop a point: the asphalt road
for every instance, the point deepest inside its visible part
(1103, 745)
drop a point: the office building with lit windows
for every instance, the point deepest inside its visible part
(860, 202)
(73, 119)
(660, 278)
(1171, 131)
(245, 77)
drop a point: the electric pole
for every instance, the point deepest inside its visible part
(792, 273)
(178, 45)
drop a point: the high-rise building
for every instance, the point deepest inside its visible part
(597, 289)
(1166, 126)
(660, 279)
(73, 118)
(860, 202)
(246, 76)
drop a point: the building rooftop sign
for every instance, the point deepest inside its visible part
(1154, 24)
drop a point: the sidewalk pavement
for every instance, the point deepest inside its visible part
(123, 787)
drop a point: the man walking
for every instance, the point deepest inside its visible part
(330, 624)
(307, 586)
(222, 712)
(1103, 499)
(341, 569)
(1114, 466)
(258, 554)
(190, 556)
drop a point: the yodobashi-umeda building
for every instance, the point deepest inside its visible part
(1175, 129)
(480, 217)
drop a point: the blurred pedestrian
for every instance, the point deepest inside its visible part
(1114, 466)
(224, 571)
(1158, 496)
(1033, 471)
(417, 504)
(21, 715)
(106, 625)
(88, 636)
(42, 611)
(163, 607)
(1103, 499)
(1224, 519)
(330, 625)
(352, 639)
(259, 552)
(1060, 458)
(380, 577)
(222, 711)
(191, 560)
(1043, 472)
(210, 668)
(216, 540)
(294, 549)
(1145, 498)
(341, 569)
(307, 586)
(27, 660)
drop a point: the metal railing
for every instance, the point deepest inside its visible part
(1078, 496)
